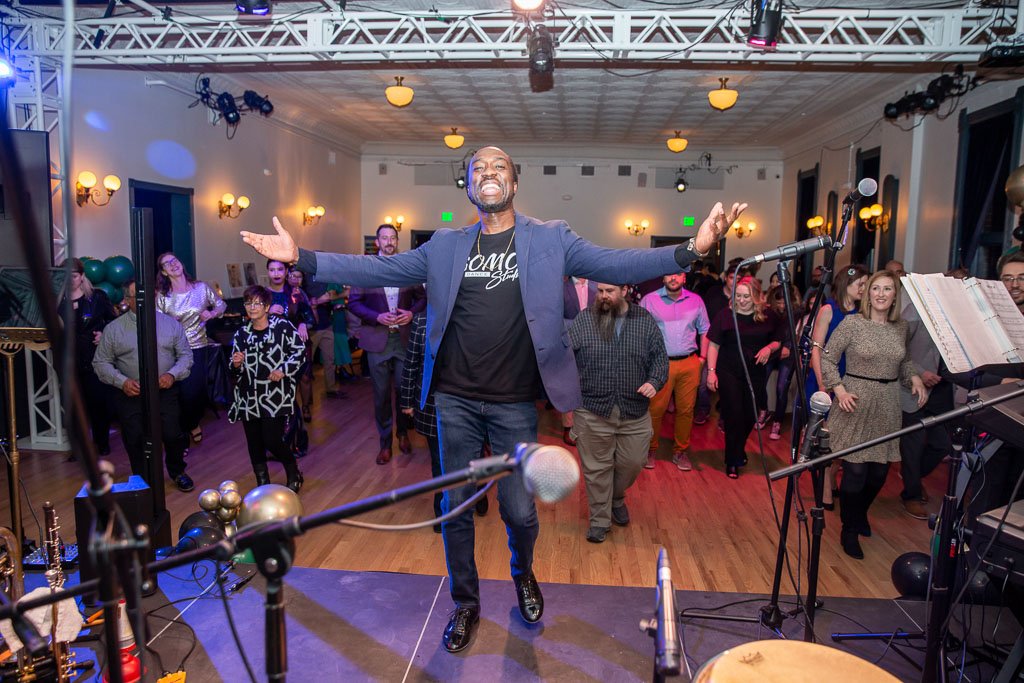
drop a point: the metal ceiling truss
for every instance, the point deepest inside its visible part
(879, 36)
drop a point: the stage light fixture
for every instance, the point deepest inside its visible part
(681, 183)
(6, 73)
(255, 7)
(765, 23)
(257, 103)
(228, 109)
(541, 49)
(528, 5)
(460, 182)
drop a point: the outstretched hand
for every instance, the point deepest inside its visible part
(716, 225)
(280, 247)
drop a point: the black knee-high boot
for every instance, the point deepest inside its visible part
(262, 474)
(851, 512)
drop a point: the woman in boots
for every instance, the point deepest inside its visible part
(267, 355)
(868, 398)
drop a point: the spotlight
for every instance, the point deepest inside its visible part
(6, 73)
(256, 103)
(765, 22)
(542, 50)
(460, 182)
(681, 183)
(228, 108)
(527, 5)
(256, 7)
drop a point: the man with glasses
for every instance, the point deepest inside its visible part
(1011, 272)
(385, 314)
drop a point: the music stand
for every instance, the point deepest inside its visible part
(21, 324)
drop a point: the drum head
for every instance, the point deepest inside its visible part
(789, 661)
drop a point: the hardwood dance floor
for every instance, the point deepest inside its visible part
(720, 533)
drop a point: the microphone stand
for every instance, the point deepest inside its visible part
(273, 546)
(771, 615)
(947, 542)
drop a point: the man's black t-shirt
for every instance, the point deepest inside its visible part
(487, 353)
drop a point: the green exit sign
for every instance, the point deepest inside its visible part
(689, 221)
(446, 217)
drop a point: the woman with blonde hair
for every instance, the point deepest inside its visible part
(847, 292)
(761, 335)
(867, 401)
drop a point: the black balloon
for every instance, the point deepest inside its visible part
(910, 574)
(199, 537)
(197, 519)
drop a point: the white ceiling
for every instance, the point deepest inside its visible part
(587, 105)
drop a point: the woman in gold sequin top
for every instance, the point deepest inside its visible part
(192, 303)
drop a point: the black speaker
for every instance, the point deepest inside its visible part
(135, 498)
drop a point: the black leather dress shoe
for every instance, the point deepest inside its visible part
(531, 602)
(460, 628)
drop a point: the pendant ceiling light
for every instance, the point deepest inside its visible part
(678, 143)
(454, 140)
(399, 95)
(723, 98)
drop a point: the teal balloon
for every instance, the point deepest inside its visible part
(113, 292)
(94, 270)
(119, 269)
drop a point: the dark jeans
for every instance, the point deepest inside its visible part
(194, 392)
(463, 424)
(737, 412)
(785, 378)
(267, 434)
(129, 414)
(921, 452)
(434, 446)
(858, 489)
(386, 374)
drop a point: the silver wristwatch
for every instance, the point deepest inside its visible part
(691, 246)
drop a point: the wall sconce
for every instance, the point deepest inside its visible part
(313, 215)
(227, 201)
(818, 226)
(637, 229)
(395, 222)
(742, 231)
(874, 217)
(86, 190)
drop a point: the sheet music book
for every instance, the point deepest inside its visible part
(972, 322)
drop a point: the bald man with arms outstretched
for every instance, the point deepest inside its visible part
(496, 342)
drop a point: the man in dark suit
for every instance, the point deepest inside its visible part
(385, 314)
(494, 342)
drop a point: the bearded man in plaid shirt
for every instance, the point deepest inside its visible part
(620, 355)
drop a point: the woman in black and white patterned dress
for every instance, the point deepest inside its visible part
(266, 356)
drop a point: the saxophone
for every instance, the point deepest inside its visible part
(12, 582)
(63, 658)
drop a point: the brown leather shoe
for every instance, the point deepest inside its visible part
(403, 444)
(384, 457)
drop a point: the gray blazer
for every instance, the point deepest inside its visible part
(547, 251)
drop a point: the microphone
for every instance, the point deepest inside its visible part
(793, 249)
(867, 187)
(819, 407)
(667, 648)
(550, 472)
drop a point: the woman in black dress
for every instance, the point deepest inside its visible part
(761, 335)
(92, 311)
